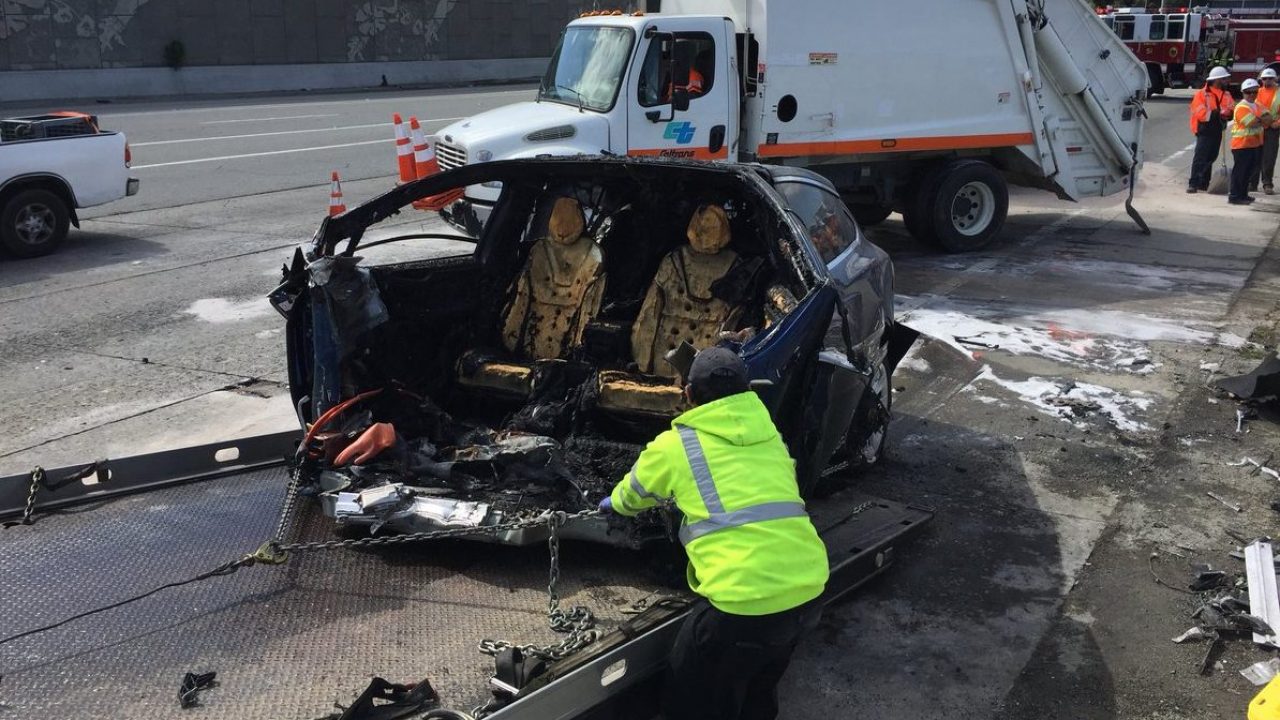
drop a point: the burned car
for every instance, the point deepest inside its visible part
(522, 366)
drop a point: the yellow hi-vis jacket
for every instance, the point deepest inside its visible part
(752, 549)
(1246, 129)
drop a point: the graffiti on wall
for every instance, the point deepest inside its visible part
(376, 18)
(108, 28)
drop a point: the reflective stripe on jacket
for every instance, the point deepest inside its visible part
(1246, 127)
(1206, 102)
(1269, 100)
(752, 548)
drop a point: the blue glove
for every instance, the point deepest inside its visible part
(606, 505)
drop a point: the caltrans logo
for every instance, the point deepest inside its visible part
(682, 132)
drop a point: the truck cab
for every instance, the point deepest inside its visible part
(643, 85)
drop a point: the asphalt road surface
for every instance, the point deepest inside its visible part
(192, 152)
(1058, 415)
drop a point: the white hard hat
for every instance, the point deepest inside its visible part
(1219, 73)
(1248, 85)
(1268, 73)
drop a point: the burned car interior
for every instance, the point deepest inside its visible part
(528, 374)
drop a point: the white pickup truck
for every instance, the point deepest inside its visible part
(50, 165)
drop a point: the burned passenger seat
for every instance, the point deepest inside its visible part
(679, 306)
(556, 293)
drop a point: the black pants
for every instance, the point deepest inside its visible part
(1267, 163)
(1244, 162)
(727, 667)
(1208, 146)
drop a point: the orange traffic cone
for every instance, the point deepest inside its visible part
(336, 205)
(404, 151)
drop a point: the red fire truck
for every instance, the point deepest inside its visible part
(1179, 45)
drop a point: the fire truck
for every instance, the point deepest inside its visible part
(1180, 45)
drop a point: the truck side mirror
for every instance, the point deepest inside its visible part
(680, 99)
(680, 69)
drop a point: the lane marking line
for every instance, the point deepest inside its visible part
(254, 135)
(398, 98)
(257, 154)
(1169, 160)
(278, 132)
(268, 119)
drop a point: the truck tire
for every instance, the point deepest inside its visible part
(969, 206)
(34, 223)
(917, 208)
(868, 215)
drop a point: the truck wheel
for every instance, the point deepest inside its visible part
(868, 215)
(917, 209)
(970, 206)
(34, 223)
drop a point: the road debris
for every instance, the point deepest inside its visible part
(1239, 421)
(1263, 600)
(1258, 467)
(1261, 384)
(192, 684)
(384, 700)
(1208, 579)
(976, 343)
(1224, 501)
(1261, 673)
(1195, 634)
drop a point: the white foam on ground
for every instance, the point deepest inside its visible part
(1106, 340)
(913, 362)
(1060, 399)
(221, 310)
(1231, 340)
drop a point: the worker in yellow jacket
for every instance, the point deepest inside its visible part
(754, 555)
(1247, 125)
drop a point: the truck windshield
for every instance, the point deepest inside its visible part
(587, 68)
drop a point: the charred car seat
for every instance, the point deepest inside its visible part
(555, 295)
(679, 306)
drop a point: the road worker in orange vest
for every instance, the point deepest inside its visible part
(1247, 125)
(1268, 100)
(1210, 110)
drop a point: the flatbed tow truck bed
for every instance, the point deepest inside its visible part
(290, 642)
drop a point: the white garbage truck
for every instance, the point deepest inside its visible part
(923, 107)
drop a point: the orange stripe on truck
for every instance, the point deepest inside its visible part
(681, 153)
(858, 147)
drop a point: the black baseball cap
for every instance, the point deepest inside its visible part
(717, 372)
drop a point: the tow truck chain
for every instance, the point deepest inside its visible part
(577, 623)
(37, 478)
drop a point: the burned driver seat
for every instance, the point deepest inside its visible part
(679, 306)
(555, 295)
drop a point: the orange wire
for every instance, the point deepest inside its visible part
(330, 414)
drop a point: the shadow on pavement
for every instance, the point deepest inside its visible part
(84, 250)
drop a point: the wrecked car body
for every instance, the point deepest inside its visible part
(524, 369)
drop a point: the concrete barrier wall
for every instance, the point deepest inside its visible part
(84, 41)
